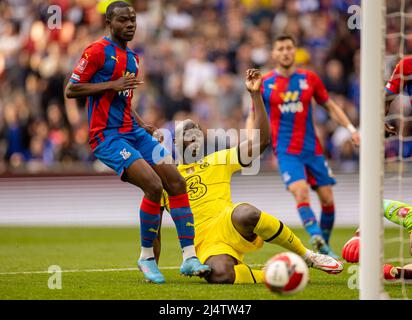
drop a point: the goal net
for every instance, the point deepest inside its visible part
(385, 170)
(398, 149)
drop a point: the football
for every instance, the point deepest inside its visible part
(286, 274)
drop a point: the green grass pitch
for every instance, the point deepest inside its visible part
(95, 254)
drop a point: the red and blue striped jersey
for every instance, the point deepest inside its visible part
(110, 112)
(288, 102)
(401, 78)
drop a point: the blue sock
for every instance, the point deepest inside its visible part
(149, 222)
(308, 219)
(183, 218)
(327, 220)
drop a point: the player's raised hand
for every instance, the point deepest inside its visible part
(126, 83)
(253, 80)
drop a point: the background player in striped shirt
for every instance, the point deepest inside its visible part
(400, 81)
(107, 75)
(288, 93)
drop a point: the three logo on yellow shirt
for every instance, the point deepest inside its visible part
(195, 188)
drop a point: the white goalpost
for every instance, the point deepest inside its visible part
(372, 149)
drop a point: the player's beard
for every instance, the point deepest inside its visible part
(128, 37)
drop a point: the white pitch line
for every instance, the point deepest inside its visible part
(90, 270)
(80, 270)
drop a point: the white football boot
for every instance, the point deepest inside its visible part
(324, 263)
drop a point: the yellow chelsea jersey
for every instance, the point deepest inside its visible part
(208, 183)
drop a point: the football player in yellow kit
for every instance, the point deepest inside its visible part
(226, 231)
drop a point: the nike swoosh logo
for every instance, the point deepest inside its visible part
(188, 224)
(152, 230)
(335, 268)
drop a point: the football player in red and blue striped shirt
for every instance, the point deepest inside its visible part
(400, 81)
(107, 75)
(288, 93)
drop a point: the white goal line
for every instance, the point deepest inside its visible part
(94, 270)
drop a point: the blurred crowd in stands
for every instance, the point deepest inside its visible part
(194, 54)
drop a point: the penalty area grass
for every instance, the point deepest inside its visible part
(100, 263)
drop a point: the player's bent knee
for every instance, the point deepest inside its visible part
(300, 191)
(177, 186)
(223, 271)
(154, 189)
(222, 276)
(326, 196)
(301, 195)
(246, 215)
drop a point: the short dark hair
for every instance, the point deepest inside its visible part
(114, 5)
(283, 37)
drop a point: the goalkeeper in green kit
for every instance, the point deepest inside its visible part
(396, 212)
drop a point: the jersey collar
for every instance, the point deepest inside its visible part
(193, 164)
(116, 45)
(277, 74)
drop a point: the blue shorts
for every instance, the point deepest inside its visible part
(310, 167)
(120, 150)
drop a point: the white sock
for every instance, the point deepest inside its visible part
(307, 255)
(188, 252)
(146, 253)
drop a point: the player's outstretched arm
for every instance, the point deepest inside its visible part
(78, 90)
(337, 113)
(259, 139)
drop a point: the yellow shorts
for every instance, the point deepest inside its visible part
(218, 236)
